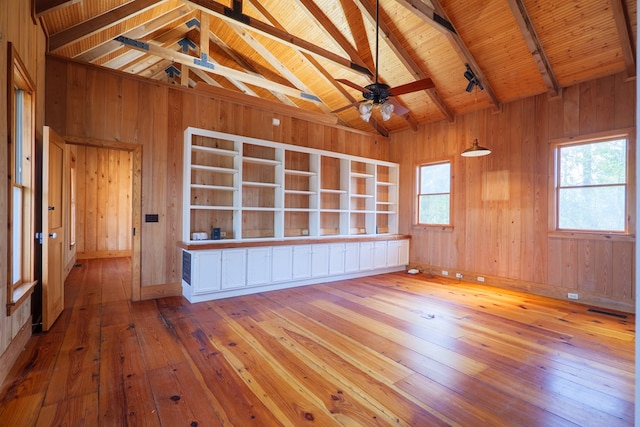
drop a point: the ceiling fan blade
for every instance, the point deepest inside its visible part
(346, 107)
(412, 87)
(353, 85)
(398, 108)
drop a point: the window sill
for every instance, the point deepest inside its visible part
(592, 236)
(20, 295)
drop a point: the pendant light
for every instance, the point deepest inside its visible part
(475, 150)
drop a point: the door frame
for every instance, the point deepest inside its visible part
(136, 200)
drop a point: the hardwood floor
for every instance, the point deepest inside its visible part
(393, 349)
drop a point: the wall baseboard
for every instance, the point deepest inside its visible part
(17, 346)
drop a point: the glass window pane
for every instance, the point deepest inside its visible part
(435, 179)
(19, 135)
(16, 236)
(434, 209)
(598, 163)
(592, 208)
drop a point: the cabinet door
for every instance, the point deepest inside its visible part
(351, 257)
(366, 256)
(403, 252)
(258, 266)
(380, 254)
(319, 260)
(393, 253)
(301, 262)
(233, 268)
(336, 258)
(206, 272)
(281, 263)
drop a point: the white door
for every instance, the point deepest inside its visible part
(319, 260)
(336, 258)
(52, 227)
(351, 257)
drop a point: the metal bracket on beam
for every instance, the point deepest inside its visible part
(172, 71)
(238, 16)
(186, 44)
(131, 42)
(193, 23)
(203, 61)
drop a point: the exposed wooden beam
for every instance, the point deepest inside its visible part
(172, 17)
(307, 58)
(47, 6)
(405, 58)
(249, 68)
(234, 96)
(225, 13)
(112, 17)
(273, 61)
(331, 31)
(535, 47)
(621, 15)
(204, 64)
(437, 18)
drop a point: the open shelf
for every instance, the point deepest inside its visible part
(257, 189)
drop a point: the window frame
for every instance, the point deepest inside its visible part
(554, 188)
(417, 194)
(18, 78)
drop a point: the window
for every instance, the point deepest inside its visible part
(434, 194)
(21, 143)
(591, 184)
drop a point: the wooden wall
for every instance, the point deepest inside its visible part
(17, 27)
(89, 102)
(500, 202)
(104, 189)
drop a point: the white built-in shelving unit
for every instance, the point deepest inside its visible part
(253, 189)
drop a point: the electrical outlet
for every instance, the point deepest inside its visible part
(305, 232)
(458, 275)
(445, 273)
(223, 234)
(481, 279)
(571, 295)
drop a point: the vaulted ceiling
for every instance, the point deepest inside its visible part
(317, 55)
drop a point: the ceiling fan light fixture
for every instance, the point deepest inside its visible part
(365, 110)
(475, 150)
(386, 110)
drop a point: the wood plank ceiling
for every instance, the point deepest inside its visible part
(293, 52)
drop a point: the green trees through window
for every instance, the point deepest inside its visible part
(434, 194)
(592, 185)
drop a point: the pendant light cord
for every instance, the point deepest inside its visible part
(377, 32)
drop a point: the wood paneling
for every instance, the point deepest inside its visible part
(113, 106)
(104, 193)
(500, 202)
(17, 27)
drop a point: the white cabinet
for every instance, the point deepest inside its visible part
(217, 273)
(336, 258)
(258, 265)
(206, 266)
(233, 271)
(397, 252)
(319, 260)
(366, 256)
(301, 262)
(379, 254)
(281, 263)
(351, 257)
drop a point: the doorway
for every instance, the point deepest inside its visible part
(133, 155)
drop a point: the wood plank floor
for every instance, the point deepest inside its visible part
(393, 350)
